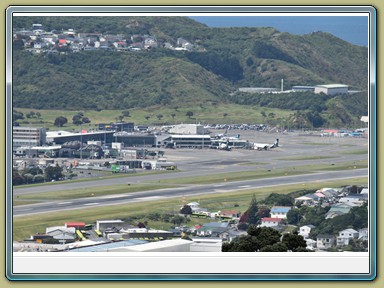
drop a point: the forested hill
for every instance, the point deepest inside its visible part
(185, 62)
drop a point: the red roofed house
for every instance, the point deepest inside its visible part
(62, 42)
(270, 222)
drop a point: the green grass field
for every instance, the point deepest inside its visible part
(23, 227)
(205, 114)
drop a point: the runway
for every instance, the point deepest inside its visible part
(193, 190)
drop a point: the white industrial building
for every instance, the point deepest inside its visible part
(331, 89)
(28, 136)
(175, 245)
(187, 129)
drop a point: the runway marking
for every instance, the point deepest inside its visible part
(150, 198)
(90, 204)
(64, 203)
(113, 196)
(244, 186)
(219, 185)
(222, 191)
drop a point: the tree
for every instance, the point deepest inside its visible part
(38, 178)
(30, 115)
(293, 241)
(177, 219)
(277, 247)
(159, 116)
(86, 120)
(173, 115)
(293, 216)
(257, 239)
(252, 211)
(16, 115)
(186, 210)
(189, 114)
(147, 117)
(60, 121)
(28, 177)
(141, 225)
(77, 119)
(126, 113)
(279, 200)
(33, 171)
(265, 235)
(53, 173)
(225, 115)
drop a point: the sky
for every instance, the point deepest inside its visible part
(353, 29)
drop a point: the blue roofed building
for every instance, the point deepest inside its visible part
(280, 211)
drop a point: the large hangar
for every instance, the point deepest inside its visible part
(331, 89)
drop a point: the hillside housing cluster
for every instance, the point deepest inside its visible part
(37, 40)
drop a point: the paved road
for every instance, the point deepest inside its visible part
(91, 202)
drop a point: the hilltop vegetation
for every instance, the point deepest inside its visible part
(226, 59)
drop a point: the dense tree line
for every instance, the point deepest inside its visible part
(36, 175)
(265, 239)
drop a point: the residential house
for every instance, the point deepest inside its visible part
(365, 191)
(279, 212)
(270, 222)
(150, 42)
(345, 236)
(339, 209)
(181, 42)
(231, 234)
(324, 241)
(195, 206)
(231, 214)
(120, 45)
(305, 230)
(311, 244)
(329, 193)
(363, 234)
(212, 229)
(39, 45)
(306, 200)
(357, 199)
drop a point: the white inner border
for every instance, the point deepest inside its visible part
(193, 262)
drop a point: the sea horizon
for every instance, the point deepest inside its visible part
(353, 29)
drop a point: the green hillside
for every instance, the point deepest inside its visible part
(223, 59)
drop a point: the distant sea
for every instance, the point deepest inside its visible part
(353, 29)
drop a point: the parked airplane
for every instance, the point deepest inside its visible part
(224, 146)
(259, 146)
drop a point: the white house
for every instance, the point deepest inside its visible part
(363, 234)
(270, 222)
(324, 241)
(306, 199)
(365, 191)
(311, 244)
(345, 236)
(279, 212)
(194, 206)
(305, 230)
